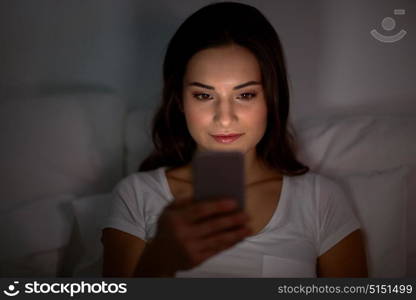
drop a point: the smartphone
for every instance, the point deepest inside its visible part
(219, 173)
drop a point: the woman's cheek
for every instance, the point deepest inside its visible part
(196, 120)
(197, 116)
(259, 121)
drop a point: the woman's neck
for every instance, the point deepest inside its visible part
(257, 171)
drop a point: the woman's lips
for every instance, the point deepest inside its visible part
(226, 139)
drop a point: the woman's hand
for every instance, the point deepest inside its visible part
(190, 232)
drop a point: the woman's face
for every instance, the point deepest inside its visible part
(223, 94)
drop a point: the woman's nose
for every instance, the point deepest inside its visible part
(225, 113)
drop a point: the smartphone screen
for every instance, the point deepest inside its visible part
(219, 173)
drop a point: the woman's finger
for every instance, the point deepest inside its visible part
(220, 223)
(205, 209)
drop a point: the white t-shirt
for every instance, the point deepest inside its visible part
(312, 215)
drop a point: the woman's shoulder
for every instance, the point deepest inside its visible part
(316, 186)
(306, 181)
(315, 179)
(327, 190)
(142, 180)
(328, 184)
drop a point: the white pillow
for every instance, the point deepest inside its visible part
(138, 138)
(379, 201)
(33, 230)
(345, 145)
(55, 144)
(46, 263)
(90, 213)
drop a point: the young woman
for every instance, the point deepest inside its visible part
(224, 75)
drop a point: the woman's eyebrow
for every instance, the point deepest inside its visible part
(240, 86)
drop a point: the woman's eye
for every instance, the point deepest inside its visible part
(246, 96)
(202, 96)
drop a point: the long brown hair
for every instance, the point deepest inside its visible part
(215, 25)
